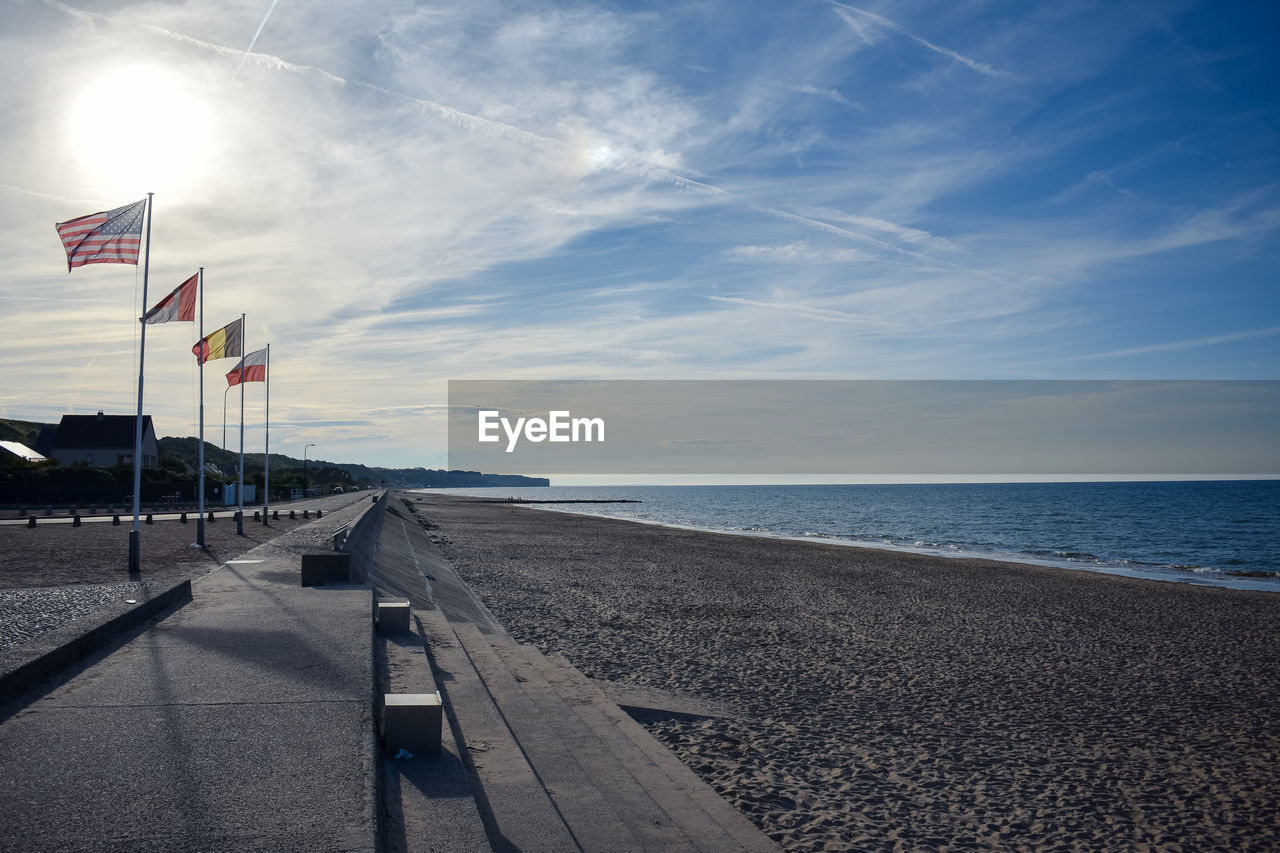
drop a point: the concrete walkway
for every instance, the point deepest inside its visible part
(243, 721)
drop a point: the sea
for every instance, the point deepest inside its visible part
(1218, 533)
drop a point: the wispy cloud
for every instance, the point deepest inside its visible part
(812, 312)
(1191, 343)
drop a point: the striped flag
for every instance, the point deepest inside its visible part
(179, 306)
(252, 368)
(224, 343)
(113, 237)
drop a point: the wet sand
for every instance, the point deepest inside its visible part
(890, 701)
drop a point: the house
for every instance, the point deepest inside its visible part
(103, 441)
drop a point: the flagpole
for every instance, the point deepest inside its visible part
(266, 457)
(134, 545)
(240, 488)
(200, 517)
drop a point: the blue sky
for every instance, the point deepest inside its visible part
(399, 194)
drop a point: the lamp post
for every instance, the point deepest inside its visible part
(304, 469)
(224, 417)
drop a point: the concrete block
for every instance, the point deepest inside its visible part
(329, 567)
(393, 615)
(411, 721)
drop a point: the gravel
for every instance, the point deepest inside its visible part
(27, 613)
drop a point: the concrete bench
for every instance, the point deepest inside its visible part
(393, 615)
(321, 568)
(411, 721)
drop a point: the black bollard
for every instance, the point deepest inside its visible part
(275, 515)
(306, 513)
(149, 521)
(31, 521)
(211, 516)
(75, 520)
(319, 513)
(183, 518)
(257, 516)
(115, 520)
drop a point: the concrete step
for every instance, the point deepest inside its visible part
(649, 823)
(517, 811)
(703, 815)
(589, 817)
(428, 803)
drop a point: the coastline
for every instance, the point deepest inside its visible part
(884, 700)
(1182, 533)
(1211, 578)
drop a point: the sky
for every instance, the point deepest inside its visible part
(398, 194)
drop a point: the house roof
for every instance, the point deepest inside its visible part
(91, 431)
(21, 451)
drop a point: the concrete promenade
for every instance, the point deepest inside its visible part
(245, 720)
(242, 721)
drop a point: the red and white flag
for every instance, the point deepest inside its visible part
(112, 237)
(252, 368)
(179, 306)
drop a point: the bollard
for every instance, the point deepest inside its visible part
(183, 518)
(31, 521)
(319, 513)
(211, 516)
(115, 520)
(306, 513)
(149, 521)
(275, 515)
(293, 514)
(257, 516)
(373, 498)
(75, 520)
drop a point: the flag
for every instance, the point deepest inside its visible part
(113, 237)
(224, 343)
(252, 368)
(178, 306)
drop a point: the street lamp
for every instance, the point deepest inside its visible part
(304, 469)
(224, 416)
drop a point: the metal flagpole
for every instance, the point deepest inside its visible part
(240, 488)
(200, 517)
(134, 546)
(266, 457)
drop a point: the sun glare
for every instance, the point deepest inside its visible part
(140, 129)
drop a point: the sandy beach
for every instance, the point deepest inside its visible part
(888, 701)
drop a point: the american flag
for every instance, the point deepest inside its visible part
(113, 237)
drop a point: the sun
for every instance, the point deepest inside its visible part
(139, 129)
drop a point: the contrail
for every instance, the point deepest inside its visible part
(639, 168)
(254, 40)
(980, 67)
